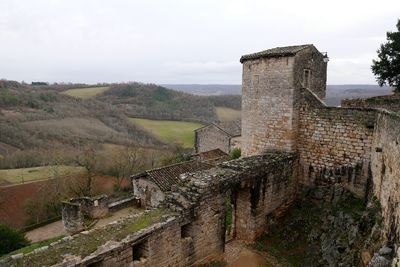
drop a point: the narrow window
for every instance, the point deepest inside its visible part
(256, 80)
(139, 251)
(306, 82)
(186, 230)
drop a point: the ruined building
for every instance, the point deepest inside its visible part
(290, 141)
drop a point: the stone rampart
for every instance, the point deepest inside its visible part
(334, 144)
(389, 102)
(356, 146)
(385, 166)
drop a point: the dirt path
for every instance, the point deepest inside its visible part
(238, 254)
(48, 231)
(56, 228)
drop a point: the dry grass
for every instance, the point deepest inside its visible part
(228, 114)
(86, 92)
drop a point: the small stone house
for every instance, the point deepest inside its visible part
(223, 135)
(151, 186)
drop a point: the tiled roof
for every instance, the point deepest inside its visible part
(166, 177)
(211, 155)
(276, 52)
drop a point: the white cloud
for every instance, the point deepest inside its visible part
(197, 41)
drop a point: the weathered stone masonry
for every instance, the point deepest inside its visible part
(358, 146)
(193, 227)
(283, 110)
(271, 85)
(224, 136)
(258, 189)
(334, 143)
(389, 102)
(386, 171)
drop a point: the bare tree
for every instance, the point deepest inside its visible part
(87, 158)
(125, 163)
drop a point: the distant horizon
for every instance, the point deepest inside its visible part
(117, 82)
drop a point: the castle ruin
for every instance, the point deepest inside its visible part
(290, 140)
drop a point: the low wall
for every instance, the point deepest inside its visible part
(385, 167)
(334, 143)
(118, 204)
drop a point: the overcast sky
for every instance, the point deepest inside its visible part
(172, 41)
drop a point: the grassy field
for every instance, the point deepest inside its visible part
(178, 132)
(16, 176)
(86, 92)
(228, 114)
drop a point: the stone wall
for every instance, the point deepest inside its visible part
(72, 217)
(270, 98)
(259, 185)
(191, 226)
(269, 193)
(334, 143)
(211, 137)
(267, 105)
(94, 207)
(385, 168)
(310, 59)
(163, 246)
(389, 102)
(149, 193)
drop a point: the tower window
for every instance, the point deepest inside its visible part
(256, 80)
(307, 76)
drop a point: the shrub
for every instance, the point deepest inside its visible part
(11, 239)
(236, 153)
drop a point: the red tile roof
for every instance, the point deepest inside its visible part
(166, 177)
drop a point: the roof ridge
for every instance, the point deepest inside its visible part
(279, 51)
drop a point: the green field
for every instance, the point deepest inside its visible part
(228, 114)
(16, 176)
(172, 132)
(86, 92)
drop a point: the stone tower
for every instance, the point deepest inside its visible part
(271, 85)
